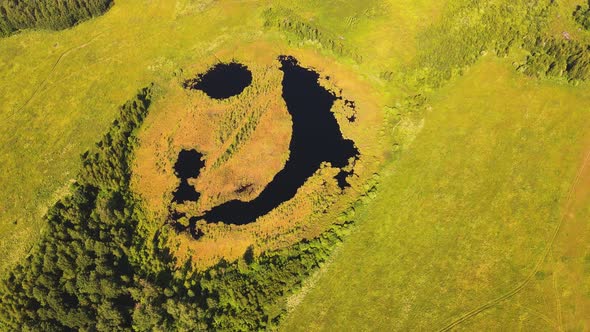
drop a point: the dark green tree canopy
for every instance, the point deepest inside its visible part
(582, 15)
(17, 15)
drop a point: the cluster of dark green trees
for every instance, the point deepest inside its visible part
(79, 276)
(558, 58)
(286, 20)
(17, 15)
(101, 265)
(561, 58)
(582, 15)
(472, 29)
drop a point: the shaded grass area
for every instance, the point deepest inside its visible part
(465, 215)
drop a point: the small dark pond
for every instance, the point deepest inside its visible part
(222, 81)
(188, 165)
(316, 138)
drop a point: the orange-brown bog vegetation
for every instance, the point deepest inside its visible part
(245, 142)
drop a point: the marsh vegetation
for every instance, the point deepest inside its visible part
(315, 139)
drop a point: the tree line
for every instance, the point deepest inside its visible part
(286, 20)
(551, 57)
(472, 30)
(17, 15)
(582, 15)
(565, 58)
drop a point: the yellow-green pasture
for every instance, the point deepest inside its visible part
(462, 231)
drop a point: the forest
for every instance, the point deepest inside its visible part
(17, 15)
(582, 15)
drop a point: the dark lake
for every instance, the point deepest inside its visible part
(222, 81)
(188, 165)
(316, 138)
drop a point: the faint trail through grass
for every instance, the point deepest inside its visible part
(538, 264)
(57, 62)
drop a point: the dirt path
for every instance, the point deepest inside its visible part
(50, 73)
(583, 172)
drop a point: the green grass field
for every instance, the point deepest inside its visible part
(465, 215)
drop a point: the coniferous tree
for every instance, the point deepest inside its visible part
(17, 15)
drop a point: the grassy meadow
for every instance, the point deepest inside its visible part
(465, 215)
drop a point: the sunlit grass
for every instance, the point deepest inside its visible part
(465, 214)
